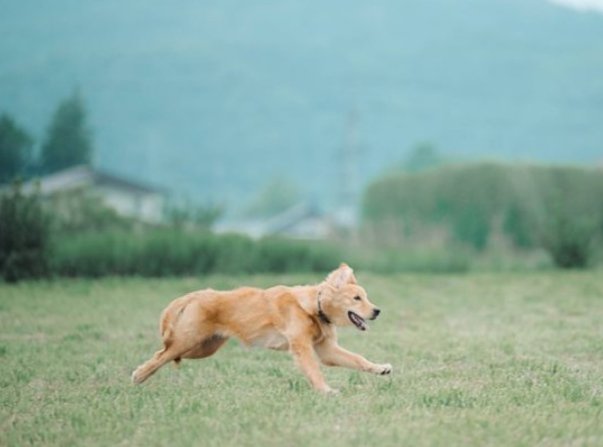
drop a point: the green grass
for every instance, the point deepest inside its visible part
(509, 360)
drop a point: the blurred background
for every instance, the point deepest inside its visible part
(156, 138)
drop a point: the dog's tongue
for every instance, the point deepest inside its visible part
(358, 322)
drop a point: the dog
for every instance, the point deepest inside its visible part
(300, 319)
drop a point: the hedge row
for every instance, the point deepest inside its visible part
(169, 252)
(559, 209)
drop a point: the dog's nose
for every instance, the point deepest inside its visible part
(376, 313)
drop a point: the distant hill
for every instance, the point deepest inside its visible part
(213, 99)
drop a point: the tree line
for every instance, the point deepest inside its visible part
(67, 142)
(554, 208)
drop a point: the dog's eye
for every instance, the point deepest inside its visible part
(357, 298)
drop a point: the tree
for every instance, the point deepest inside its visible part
(188, 215)
(277, 196)
(423, 156)
(24, 236)
(68, 141)
(15, 149)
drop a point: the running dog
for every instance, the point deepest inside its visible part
(300, 319)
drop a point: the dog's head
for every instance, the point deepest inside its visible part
(344, 302)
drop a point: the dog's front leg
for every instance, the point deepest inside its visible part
(331, 354)
(303, 353)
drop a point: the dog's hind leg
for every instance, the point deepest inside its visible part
(183, 330)
(208, 347)
(148, 368)
(173, 351)
(202, 344)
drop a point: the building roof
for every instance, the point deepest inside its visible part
(83, 176)
(301, 221)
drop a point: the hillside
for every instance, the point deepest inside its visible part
(213, 99)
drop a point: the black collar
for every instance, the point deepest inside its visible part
(321, 315)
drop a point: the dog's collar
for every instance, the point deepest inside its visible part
(321, 315)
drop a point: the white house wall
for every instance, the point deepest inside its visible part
(144, 206)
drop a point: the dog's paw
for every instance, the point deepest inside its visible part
(136, 377)
(328, 391)
(384, 369)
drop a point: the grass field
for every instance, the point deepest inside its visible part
(480, 359)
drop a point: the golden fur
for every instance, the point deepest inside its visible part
(196, 325)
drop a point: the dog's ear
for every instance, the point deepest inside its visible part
(341, 276)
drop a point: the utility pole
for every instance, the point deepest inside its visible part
(348, 175)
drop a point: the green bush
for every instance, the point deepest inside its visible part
(145, 253)
(82, 210)
(24, 236)
(281, 255)
(395, 261)
(556, 208)
(463, 199)
(170, 252)
(570, 241)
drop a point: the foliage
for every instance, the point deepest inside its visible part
(81, 210)
(390, 261)
(277, 196)
(282, 256)
(188, 215)
(15, 149)
(168, 252)
(24, 236)
(480, 360)
(570, 241)
(557, 208)
(423, 156)
(68, 141)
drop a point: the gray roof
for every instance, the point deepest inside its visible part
(83, 176)
(301, 221)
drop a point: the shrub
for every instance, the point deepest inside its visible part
(570, 241)
(169, 252)
(555, 208)
(82, 210)
(185, 215)
(395, 261)
(24, 236)
(144, 253)
(282, 255)
(463, 199)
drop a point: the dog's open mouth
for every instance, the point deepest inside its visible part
(357, 320)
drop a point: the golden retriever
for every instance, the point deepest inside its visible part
(301, 319)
